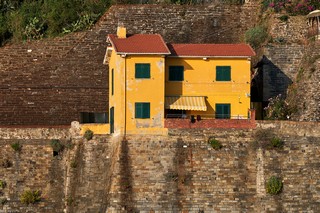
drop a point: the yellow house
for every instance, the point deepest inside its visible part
(151, 81)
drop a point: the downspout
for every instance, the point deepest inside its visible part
(125, 97)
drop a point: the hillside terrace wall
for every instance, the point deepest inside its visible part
(174, 173)
(76, 180)
(49, 82)
(182, 173)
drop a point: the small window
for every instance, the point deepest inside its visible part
(223, 73)
(176, 73)
(142, 71)
(92, 117)
(223, 111)
(142, 110)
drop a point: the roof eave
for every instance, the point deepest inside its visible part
(131, 53)
(188, 56)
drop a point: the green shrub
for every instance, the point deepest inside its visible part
(30, 197)
(3, 184)
(69, 201)
(215, 144)
(3, 201)
(256, 36)
(277, 109)
(73, 164)
(284, 18)
(88, 134)
(274, 185)
(56, 145)
(276, 142)
(16, 146)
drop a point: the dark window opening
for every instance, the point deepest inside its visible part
(94, 117)
(176, 73)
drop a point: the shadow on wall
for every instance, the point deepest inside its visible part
(268, 82)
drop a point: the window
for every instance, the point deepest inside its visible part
(93, 117)
(176, 73)
(223, 73)
(223, 111)
(142, 110)
(112, 81)
(142, 71)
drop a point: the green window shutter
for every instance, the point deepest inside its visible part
(142, 110)
(176, 73)
(142, 71)
(223, 111)
(223, 73)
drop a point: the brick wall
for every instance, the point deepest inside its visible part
(179, 172)
(50, 82)
(182, 173)
(76, 180)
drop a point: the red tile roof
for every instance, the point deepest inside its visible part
(211, 50)
(139, 44)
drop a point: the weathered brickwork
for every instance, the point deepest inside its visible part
(288, 43)
(210, 123)
(175, 173)
(182, 173)
(76, 180)
(49, 82)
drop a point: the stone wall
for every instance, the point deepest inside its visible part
(77, 179)
(49, 82)
(182, 173)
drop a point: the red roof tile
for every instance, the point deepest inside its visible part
(140, 44)
(218, 50)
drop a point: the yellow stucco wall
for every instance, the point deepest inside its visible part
(98, 129)
(200, 80)
(128, 90)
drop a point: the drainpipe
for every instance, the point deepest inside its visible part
(125, 97)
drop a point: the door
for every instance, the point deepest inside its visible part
(111, 120)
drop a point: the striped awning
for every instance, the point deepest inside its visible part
(196, 103)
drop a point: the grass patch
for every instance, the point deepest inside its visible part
(274, 185)
(215, 144)
(30, 197)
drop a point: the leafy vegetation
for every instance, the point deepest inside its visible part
(276, 142)
(88, 134)
(31, 19)
(3, 201)
(3, 184)
(16, 146)
(56, 145)
(215, 143)
(278, 109)
(274, 185)
(293, 7)
(267, 139)
(256, 36)
(30, 197)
